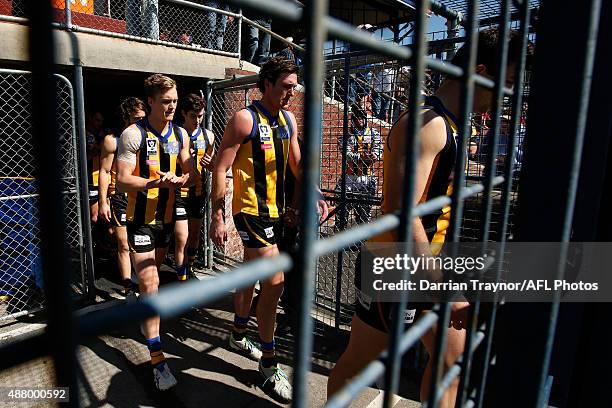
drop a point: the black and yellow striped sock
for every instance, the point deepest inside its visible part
(157, 355)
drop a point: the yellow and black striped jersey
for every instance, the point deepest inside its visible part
(259, 168)
(156, 152)
(366, 140)
(201, 142)
(440, 181)
(93, 170)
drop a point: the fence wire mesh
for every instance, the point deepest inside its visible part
(351, 163)
(21, 281)
(178, 22)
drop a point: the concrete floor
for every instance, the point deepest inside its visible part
(115, 368)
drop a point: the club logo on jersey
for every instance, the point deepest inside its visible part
(171, 147)
(265, 136)
(409, 315)
(151, 147)
(142, 240)
(200, 144)
(264, 131)
(367, 139)
(283, 132)
(269, 232)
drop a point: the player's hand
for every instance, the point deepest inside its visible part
(206, 161)
(218, 233)
(104, 211)
(169, 180)
(290, 218)
(322, 210)
(459, 315)
(181, 181)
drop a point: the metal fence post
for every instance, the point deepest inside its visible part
(465, 382)
(67, 15)
(240, 35)
(209, 243)
(546, 198)
(82, 142)
(51, 207)
(314, 17)
(405, 230)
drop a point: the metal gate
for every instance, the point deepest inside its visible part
(21, 283)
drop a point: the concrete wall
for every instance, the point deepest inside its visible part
(97, 51)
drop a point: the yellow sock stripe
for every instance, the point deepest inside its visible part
(254, 233)
(157, 357)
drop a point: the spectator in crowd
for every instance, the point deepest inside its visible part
(150, 154)
(433, 178)
(258, 41)
(112, 202)
(142, 18)
(360, 83)
(363, 149)
(383, 84)
(289, 53)
(217, 23)
(186, 38)
(133, 17)
(94, 131)
(164, 35)
(189, 204)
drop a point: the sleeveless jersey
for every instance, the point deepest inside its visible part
(93, 162)
(440, 181)
(259, 168)
(93, 170)
(201, 141)
(156, 152)
(361, 142)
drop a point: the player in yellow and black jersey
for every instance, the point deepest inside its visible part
(189, 205)
(149, 154)
(112, 203)
(94, 134)
(258, 144)
(433, 178)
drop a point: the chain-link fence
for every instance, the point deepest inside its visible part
(198, 24)
(358, 113)
(21, 281)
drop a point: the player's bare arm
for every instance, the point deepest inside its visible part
(107, 155)
(237, 130)
(432, 139)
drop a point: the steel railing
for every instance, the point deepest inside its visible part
(175, 300)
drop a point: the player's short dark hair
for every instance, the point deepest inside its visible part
(158, 83)
(128, 106)
(358, 111)
(192, 102)
(487, 50)
(273, 69)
